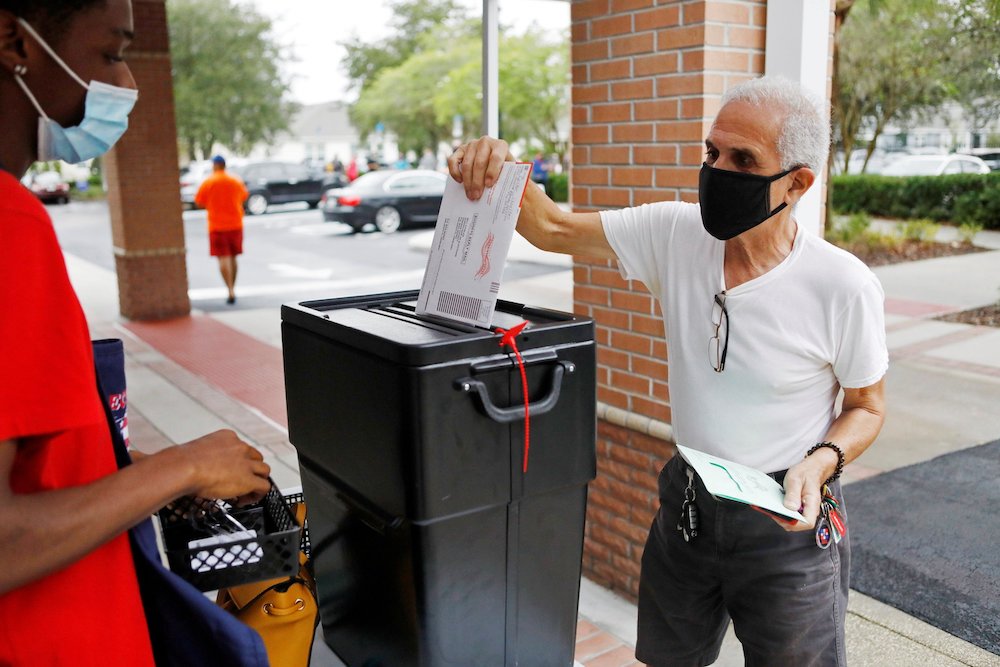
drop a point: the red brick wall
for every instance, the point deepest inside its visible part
(647, 80)
(143, 197)
(621, 503)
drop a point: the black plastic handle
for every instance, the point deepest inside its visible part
(516, 412)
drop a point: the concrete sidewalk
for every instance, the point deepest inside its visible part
(190, 376)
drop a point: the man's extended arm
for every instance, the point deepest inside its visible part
(477, 166)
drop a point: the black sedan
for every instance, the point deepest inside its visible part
(282, 183)
(389, 199)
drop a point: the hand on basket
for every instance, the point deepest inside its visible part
(224, 466)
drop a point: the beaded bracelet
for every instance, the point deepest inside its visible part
(840, 459)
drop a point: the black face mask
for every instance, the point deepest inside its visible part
(733, 201)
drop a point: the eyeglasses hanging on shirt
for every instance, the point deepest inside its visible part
(718, 344)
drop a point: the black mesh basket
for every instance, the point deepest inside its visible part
(272, 553)
(293, 500)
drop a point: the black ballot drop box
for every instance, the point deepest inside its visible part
(431, 545)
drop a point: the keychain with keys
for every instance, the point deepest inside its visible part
(823, 535)
(688, 524)
(833, 515)
(830, 525)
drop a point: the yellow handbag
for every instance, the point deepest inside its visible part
(283, 611)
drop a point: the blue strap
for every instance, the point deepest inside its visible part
(185, 628)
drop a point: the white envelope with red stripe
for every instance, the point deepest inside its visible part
(471, 242)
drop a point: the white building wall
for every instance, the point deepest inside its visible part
(798, 48)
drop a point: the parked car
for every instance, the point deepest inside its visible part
(991, 156)
(191, 178)
(389, 199)
(936, 165)
(281, 183)
(876, 163)
(50, 187)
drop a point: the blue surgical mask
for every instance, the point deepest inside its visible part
(104, 121)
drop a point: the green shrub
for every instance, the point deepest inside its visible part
(557, 187)
(960, 198)
(980, 207)
(850, 229)
(918, 230)
(862, 194)
(855, 234)
(967, 231)
(888, 241)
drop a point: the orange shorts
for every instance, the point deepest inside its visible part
(225, 244)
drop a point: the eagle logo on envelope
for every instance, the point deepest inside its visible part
(484, 251)
(455, 286)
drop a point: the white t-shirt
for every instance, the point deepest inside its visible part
(798, 333)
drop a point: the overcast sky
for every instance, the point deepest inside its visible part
(315, 28)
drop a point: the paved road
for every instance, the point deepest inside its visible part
(290, 254)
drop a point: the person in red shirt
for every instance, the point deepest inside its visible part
(222, 195)
(68, 585)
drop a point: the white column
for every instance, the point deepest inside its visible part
(491, 68)
(798, 48)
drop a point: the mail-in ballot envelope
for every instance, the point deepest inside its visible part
(733, 481)
(471, 241)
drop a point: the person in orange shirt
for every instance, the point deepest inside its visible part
(222, 195)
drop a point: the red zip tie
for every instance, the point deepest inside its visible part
(508, 338)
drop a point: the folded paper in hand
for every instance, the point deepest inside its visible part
(734, 481)
(471, 242)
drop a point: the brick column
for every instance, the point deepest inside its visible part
(143, 192)
(647, 82)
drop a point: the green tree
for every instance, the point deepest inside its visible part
(228, 86)
(535, 89)
(889, 69)
(851, 122)
(534, 83)
(411, 21)
(402, 98)
(971, 55)
(418, 99)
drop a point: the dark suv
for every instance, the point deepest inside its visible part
(281, 183)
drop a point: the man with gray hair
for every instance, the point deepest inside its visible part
(766, 324)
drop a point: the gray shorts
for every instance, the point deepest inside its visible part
(786, 596)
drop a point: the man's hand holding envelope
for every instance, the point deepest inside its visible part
(469, 251)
